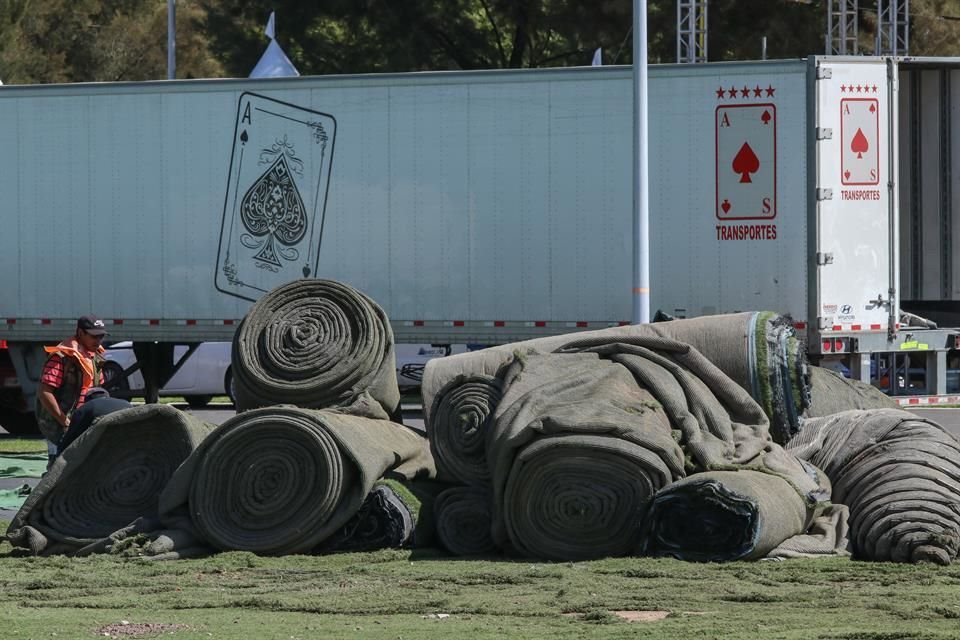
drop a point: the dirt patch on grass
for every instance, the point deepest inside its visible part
(126, 629)
(641, 616)
(629, 616)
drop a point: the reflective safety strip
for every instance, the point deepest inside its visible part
(913, 401)
(852, 328)
(153, 322)
(70, 323)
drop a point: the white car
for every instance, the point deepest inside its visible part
(205, 374)
(411, 359)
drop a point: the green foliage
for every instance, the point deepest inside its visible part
(99, 40)
(105, 40)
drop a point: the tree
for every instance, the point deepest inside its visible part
(100, 40)
(104, 40)
(355, 36)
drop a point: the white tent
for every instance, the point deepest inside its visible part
(274, 63)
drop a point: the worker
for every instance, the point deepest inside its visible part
(97, 403)
(72, 368)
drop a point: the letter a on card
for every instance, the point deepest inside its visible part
(859, 137)
(746, 162)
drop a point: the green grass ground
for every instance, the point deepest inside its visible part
(424, 594)
(23, 445)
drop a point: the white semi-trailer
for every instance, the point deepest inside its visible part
(487, 206)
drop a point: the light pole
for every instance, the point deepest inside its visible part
(641, 194)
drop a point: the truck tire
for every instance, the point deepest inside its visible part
(198, 402)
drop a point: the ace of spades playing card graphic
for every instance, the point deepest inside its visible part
(746, 162)
(276, 196)
(859, 133)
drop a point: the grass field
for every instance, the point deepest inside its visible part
(23, 445)
(423, 594)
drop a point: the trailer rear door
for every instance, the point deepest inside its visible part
(855, 232)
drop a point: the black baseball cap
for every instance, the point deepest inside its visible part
(92, 325)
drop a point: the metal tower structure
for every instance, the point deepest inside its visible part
(691, 30)
(893, 27)
(842, 28)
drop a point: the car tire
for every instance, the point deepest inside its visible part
(198, 402)
(228, 385)
(113, 378)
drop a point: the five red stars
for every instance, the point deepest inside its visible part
(859, 88)
(744, 92)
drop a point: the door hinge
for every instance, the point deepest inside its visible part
(824, 133)
(824, 194)
(824, 258)
(824, 73)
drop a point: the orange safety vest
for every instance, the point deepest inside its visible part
(68, 396)
(70, 348)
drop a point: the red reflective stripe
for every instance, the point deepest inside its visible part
(190, 323)
(875, 327)
(498, 323)
(3, 344)
(856, 327)
(540, 323)
(418, 323)
(116, 321)
(44, 320)
(228, 322)
(458, 323)
(913, 401)
(624, 323)
(799, 325)
(11, 321)
(581, 324)
(154, 323)
(837, 327)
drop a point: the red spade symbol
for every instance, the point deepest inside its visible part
(846, 174)
(859, 144)
(766, 117)
(725, 205)
(746, 162)
(873, 108)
